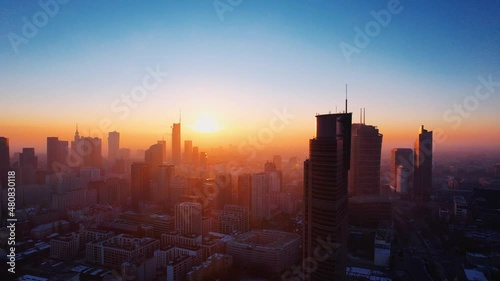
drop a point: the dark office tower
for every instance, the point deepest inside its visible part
(166, 174)
(113, 146)
(27, 158)
(224, 185)
(139, 183)
(188, 151)
(203, 159)
(401, 157)
(245, 190)
(196, 157)
(176, 143)
(325, 196)
(57, 151)
(91, 150)
(269, 167)
(28, 164)
(278, 162)
(364, 173)
(154, 158)
(422, 174)
(4, 155)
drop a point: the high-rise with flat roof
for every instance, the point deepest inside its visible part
(364, 173)
(113, 146)
(422, 174)
(140, 183)
(325, 196)
(57, 152)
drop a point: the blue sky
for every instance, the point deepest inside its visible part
(263, 55)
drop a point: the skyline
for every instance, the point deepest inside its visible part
(236, 70)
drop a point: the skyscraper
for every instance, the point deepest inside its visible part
(325, 196)
(176, 143)
(401, 157)
(113, 146)
(57, 151)
(140, 183)
(154, 158)
(4, 161)
(261, 198)
(188, 151)
(422, 174)
(364, 173)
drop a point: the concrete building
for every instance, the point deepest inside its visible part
(188, 218)
(65, 247)
(112, 252)
(234, 218)
(265, 250)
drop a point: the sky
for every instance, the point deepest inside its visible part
(246, 70)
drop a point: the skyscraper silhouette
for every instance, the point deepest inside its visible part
(113, 146)
(57, 151)
(401, 157)
(4, 161)
(325, 196)
(422, 175)
(176, 143)
(140, 185)
(364, 173)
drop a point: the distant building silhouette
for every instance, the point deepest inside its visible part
(364, 173)
(244, 190)
(176, 143)
(113, 146)
(154, 158)
(325, 195)
(277, 160)
(188, 151)
(261, 198)
(195, 159)
(401, 157)
(163, 144)
(140, 185)
(4, 161)
(422, 174)
(28, 164)
(57, 151)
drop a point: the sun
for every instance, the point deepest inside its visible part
(206, 124)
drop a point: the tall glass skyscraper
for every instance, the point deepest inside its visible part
(325, 199)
